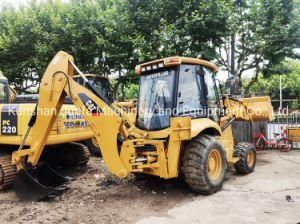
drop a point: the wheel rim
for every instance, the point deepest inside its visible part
(95, 143)
(250, 158)
(214, 167)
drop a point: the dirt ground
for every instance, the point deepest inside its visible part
(270, 195)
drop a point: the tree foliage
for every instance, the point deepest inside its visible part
(290, 75)
(263, 33)
(112, 36)
(106, 36)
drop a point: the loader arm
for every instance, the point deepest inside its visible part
(105, 123)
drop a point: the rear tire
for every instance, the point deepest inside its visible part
(204, 164)
(247, 153)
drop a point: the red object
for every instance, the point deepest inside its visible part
(262, 143)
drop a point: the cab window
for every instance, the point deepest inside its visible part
(211, 95)
(155, 100)
(190, 99)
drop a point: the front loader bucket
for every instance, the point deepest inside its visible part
(259, 108)
(39, 183)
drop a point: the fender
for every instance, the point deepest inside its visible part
(204, 125)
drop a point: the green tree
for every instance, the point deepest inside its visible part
(290, 74)
(17, 50)
(159, 28)
(112, 36)
(30, 37)
(263, 33)
(182, 27)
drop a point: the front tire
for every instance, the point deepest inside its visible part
(247, 153)
(204, 164)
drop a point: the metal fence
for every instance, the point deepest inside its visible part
(281, 123)
(245, 131)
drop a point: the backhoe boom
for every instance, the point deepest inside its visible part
(57, 82)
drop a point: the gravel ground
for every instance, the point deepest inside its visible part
(271, 195)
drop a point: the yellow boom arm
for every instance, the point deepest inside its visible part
(57, 82)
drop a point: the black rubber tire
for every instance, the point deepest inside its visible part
(195, 164)
(241, 150)
(94, 150)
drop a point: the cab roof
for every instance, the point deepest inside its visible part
(173, 61)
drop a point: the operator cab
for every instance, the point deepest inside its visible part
(175, 86)
(7, 93)
(101, 83)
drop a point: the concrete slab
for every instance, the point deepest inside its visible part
(269, 195)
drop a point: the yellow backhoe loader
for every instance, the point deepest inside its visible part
(181, 126)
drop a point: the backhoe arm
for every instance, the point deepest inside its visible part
(57, 82)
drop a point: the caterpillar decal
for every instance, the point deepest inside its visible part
(90, 105)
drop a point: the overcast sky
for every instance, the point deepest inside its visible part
(16, 3)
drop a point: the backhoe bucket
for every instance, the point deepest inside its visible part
(39, 183)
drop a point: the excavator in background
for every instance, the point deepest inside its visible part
(7, 93)
(182, 127)
(64, 146)
(100, 82)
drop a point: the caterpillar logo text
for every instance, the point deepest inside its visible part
(90, 105)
